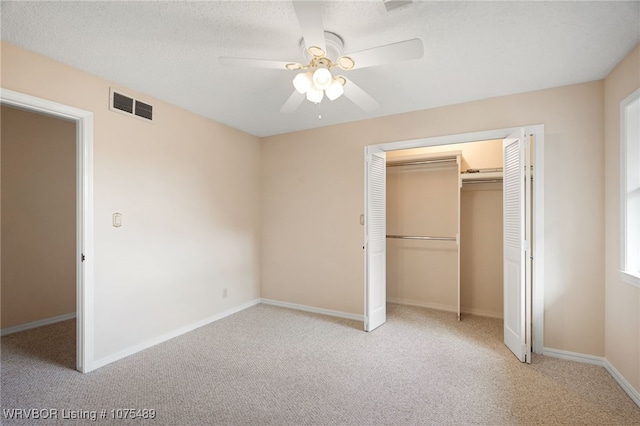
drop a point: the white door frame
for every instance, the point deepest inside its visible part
(538, 205)
(84, 212)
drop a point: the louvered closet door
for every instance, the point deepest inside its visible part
(515, 245)
(375, 242)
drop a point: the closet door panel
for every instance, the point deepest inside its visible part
(514, 244)
(375, 242)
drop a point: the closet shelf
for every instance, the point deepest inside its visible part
(481, 176)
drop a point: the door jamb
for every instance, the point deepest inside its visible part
(538, 205)
(84, 212)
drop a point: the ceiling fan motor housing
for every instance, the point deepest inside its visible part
(334, 47)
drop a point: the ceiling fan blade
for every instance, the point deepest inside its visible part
(394, 52)
(292, 103)
(359, 96)
(254, 63)
(310, 18)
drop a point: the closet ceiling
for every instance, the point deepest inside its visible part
(473, 50)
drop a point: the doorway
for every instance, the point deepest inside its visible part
(83, 211)
(375, 297)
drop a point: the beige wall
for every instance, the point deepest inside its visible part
(191, 191)
(38, 217)
(622, 300)
(313, 186)
(188, 190)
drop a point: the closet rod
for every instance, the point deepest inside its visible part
(418, 237)
(412, 163)
(464, 182)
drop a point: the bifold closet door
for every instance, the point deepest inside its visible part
(516, 193)
(375, 241)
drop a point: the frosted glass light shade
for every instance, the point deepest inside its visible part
(302, 82)
(335, 90)
(314, 95)
(322, 78)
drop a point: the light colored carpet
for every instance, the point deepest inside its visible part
(270, 365)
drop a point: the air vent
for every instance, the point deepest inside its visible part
(144, 110)
(122, 102)
(395, 4)
(119, 102)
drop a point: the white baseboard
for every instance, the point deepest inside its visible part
(482, 313)
(314, 310)
(436, 306)
(624, 384)
(36, 324)
(160, 339)
(600, 361)
(446, 308)
(573, 356)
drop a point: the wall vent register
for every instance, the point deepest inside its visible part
(122, 103)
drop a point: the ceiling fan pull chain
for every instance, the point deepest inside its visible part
(319, 111)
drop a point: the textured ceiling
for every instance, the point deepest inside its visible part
(473, 50)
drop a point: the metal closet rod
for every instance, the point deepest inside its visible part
(480, 180)
(420, 237)
(416, 162)
(464, 182)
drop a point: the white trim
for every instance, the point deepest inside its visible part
(168, 336)
(445, 308)
(599, 361)
(314, 310)
(538, 204)
(445, 140)
(483, 313)
(537, 321)
(624, 384)
(626, 276)
(631, 279)
(574, 356)
(36, 324)
(84, 212)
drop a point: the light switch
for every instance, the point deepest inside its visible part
(117, 220)
(361, 219)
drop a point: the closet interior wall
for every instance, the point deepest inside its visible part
(422, 200)
(38, 226)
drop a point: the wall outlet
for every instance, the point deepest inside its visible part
(224, 293)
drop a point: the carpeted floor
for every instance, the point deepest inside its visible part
(270, 365)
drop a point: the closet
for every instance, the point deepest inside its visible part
(444, 228)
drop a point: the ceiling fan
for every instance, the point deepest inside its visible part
(323, 50)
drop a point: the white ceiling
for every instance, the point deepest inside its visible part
(473, 50)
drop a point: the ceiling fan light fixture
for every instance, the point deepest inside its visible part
(346, 63)
(322, 78)
(315, 95)
(316, 51)
(335, 90)
(293, 66)
(303, 81)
